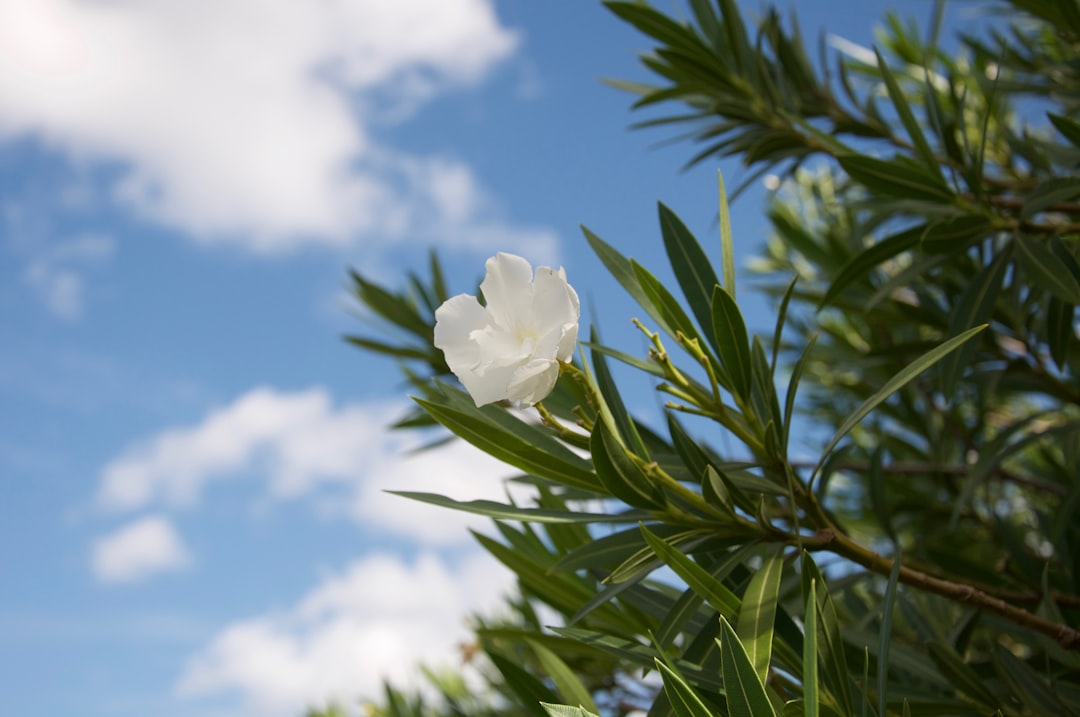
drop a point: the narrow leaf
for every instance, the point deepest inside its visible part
(622, 270)
(746, 695)
(858, 266)
(974, 307)
(682, 696)
(696, 577)
(673, 318)
(894, 384)
(1046, 195)
(535, 453)
(758, 612)
(1045, 270)
(624, 423)
(691, 266)
(529, 690)
(896, 178)
(1069, 128)
(619, 473)
(830, 643)
(566, 682)
(811, 699)
(733, 343)
(960, 675)
(501, 511)
(566, 711)
(727, 244)
(956, 234)
(885, 636)
(912, 125)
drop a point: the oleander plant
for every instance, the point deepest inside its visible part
(924, 262)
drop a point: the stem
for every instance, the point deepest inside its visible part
(568, 435)
(829, 539)
(654, 471)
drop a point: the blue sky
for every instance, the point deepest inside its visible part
(192, 463)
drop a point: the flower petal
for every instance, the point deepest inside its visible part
(455, 321)
(533, 381)
(555, 314)
(508, 290)
(567, 342)
(488, 384)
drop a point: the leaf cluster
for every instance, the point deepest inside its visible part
(925, 558)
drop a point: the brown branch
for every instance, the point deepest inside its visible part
(832, 541)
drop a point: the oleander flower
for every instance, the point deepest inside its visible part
(511, 347)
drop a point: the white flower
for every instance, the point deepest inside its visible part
(511, 348)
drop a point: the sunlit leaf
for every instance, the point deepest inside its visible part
(745, 690)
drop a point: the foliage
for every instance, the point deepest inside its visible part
(926, 559)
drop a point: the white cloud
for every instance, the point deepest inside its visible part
(376, 620)
(251, 121)
(56, 274)
(303, 446)
(138, 550)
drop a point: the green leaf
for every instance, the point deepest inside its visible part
(955, 234)
(530, 691)
(885, 637)
(696, 577)
(732, 341)
(1052, 191)
(896, 178)
(650, 367)
(630, 651)
(622, 270)
(913, 126)
(682, 696)
(607, 550)
(403, 352)
(727, 244)
(974, 307)
(394, 309)
(666, 306)
(1069, 128)
(1027, 685)
(566, 682)
(624, 423)
(793, 388)
(619, 473)
(566, 711)
(492, 431)
(781, 318)
(857, 267)
(960, 675)
(1060, 331)
(875, 480)
(758, 612)
(686, 609)
(811, 699)
(893, 385)
(746, 695)
(691, 266)
(1045, 269)
(501, 511)
(830, 644)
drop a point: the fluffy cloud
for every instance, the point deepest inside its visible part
(376, 620)
(249, 121)
(302, 445)
(138, 550)
(56, 274)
